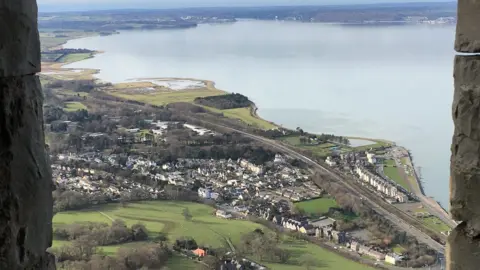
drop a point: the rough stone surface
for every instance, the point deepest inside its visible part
(468, 26)
(463, 249)
(465, 161)
(19, 39)
(25, 177)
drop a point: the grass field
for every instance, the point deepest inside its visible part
(205, 228)
(72, 93)
(317, 206)
(370, 146)
(399, 249)
(389, 162)
(74, 106)
(244, 115)
(50, 40)
(435, 224)
(394, 174)
(74, 57)
(164, 98)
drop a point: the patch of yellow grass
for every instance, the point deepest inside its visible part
(245, 115)
(74, 106)
(128, 85)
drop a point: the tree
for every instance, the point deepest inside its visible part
(186, 214)
(308, 261)
(210, 263)
(139, 232)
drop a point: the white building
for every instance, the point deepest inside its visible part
(251, 167)
(223, 214)
(371, 158)
(380, 184)
(393, 258)
(330, 162)
(204, 193)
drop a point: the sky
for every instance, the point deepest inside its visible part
(72, 5)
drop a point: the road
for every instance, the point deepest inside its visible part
(432, 206)
(421, 237)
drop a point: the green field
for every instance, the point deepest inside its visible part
(244, 115)
(205, 228)
(50, 57)
(48, 39)
(72, 93)
(74, 57)
(321, 150)
(164, 98)
(317, 206)
(74, 106)
(398, 249)
(435, 224)
(394, 174)
(389, 163)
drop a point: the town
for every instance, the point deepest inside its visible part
(238, 188)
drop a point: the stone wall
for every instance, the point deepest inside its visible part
(25, 176)
(463, 247)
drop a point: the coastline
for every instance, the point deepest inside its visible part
(90, 73)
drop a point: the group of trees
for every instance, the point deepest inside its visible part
(263, 246)
(225, 102)
(102, 234)
(307, 138)
(64, 200)
(65, 51)
(82, 254)
(74, 85)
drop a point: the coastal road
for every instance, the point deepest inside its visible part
(421, 237)
(432, 206)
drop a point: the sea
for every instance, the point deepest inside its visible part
(388, 82)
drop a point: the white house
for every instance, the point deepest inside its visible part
(393, 258)
(330, 162)
(223, 214)
(204, 193)
(371, 158)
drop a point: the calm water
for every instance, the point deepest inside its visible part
(379, 82)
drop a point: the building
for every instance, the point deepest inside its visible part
(354, 246)
(330, 162)
(371, 158)
(323, 222)
(393, 258)
(251, 167)
(380, 184)
(204, 193)
(364, 250)
(223, 214)
(199, 252)
(307, 229)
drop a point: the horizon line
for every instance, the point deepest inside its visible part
(238, 7)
